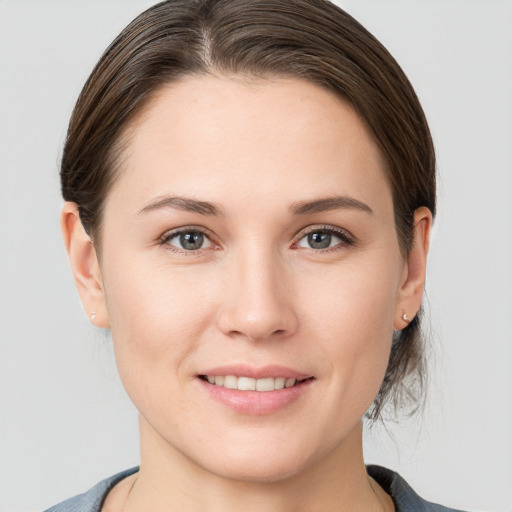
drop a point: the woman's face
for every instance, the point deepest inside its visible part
(250, 239)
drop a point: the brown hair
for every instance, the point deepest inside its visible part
(309, 39)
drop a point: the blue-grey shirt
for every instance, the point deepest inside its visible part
(406, 500)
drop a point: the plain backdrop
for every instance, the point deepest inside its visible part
(65, 422)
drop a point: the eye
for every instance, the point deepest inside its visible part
(325, 238)
(187, 240)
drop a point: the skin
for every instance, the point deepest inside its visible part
(255, 293)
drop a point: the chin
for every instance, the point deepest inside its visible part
(264, 472)
(263, 462)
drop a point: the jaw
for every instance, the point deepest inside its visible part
(254, 480)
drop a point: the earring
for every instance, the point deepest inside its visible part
(93, 316)
(405, 318)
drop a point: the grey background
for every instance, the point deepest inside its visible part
(65, 422)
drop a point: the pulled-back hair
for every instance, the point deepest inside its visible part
(311, 40)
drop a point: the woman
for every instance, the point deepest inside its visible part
(249, 193)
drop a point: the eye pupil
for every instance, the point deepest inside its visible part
(191, 240)
(319, 240)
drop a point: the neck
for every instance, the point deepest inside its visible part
(168, 480)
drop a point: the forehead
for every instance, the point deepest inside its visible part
(204, 135)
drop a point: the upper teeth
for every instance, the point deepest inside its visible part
(249, 384)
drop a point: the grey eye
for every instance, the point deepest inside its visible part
(189, 240)
(324, 238)
(319, 240)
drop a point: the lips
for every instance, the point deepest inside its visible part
(255, 391)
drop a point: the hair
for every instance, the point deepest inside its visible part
(312, 40)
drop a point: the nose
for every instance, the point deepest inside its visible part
(258, 299)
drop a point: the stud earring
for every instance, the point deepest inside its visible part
(406, 318)
(93, 316)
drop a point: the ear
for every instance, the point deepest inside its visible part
(413, 277)
(84, 265)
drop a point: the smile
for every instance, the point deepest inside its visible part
(255, 391)
(251, 384)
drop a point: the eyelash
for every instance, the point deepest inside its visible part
(169, 235)
(346, 238)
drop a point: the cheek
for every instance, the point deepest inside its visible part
(352, 319)
(157, 315)
(353, 301)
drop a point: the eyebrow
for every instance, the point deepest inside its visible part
(298, 208)
(329, 203)
(184, 203)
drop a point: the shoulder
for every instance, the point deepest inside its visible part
(92, 500)
(406, 500)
